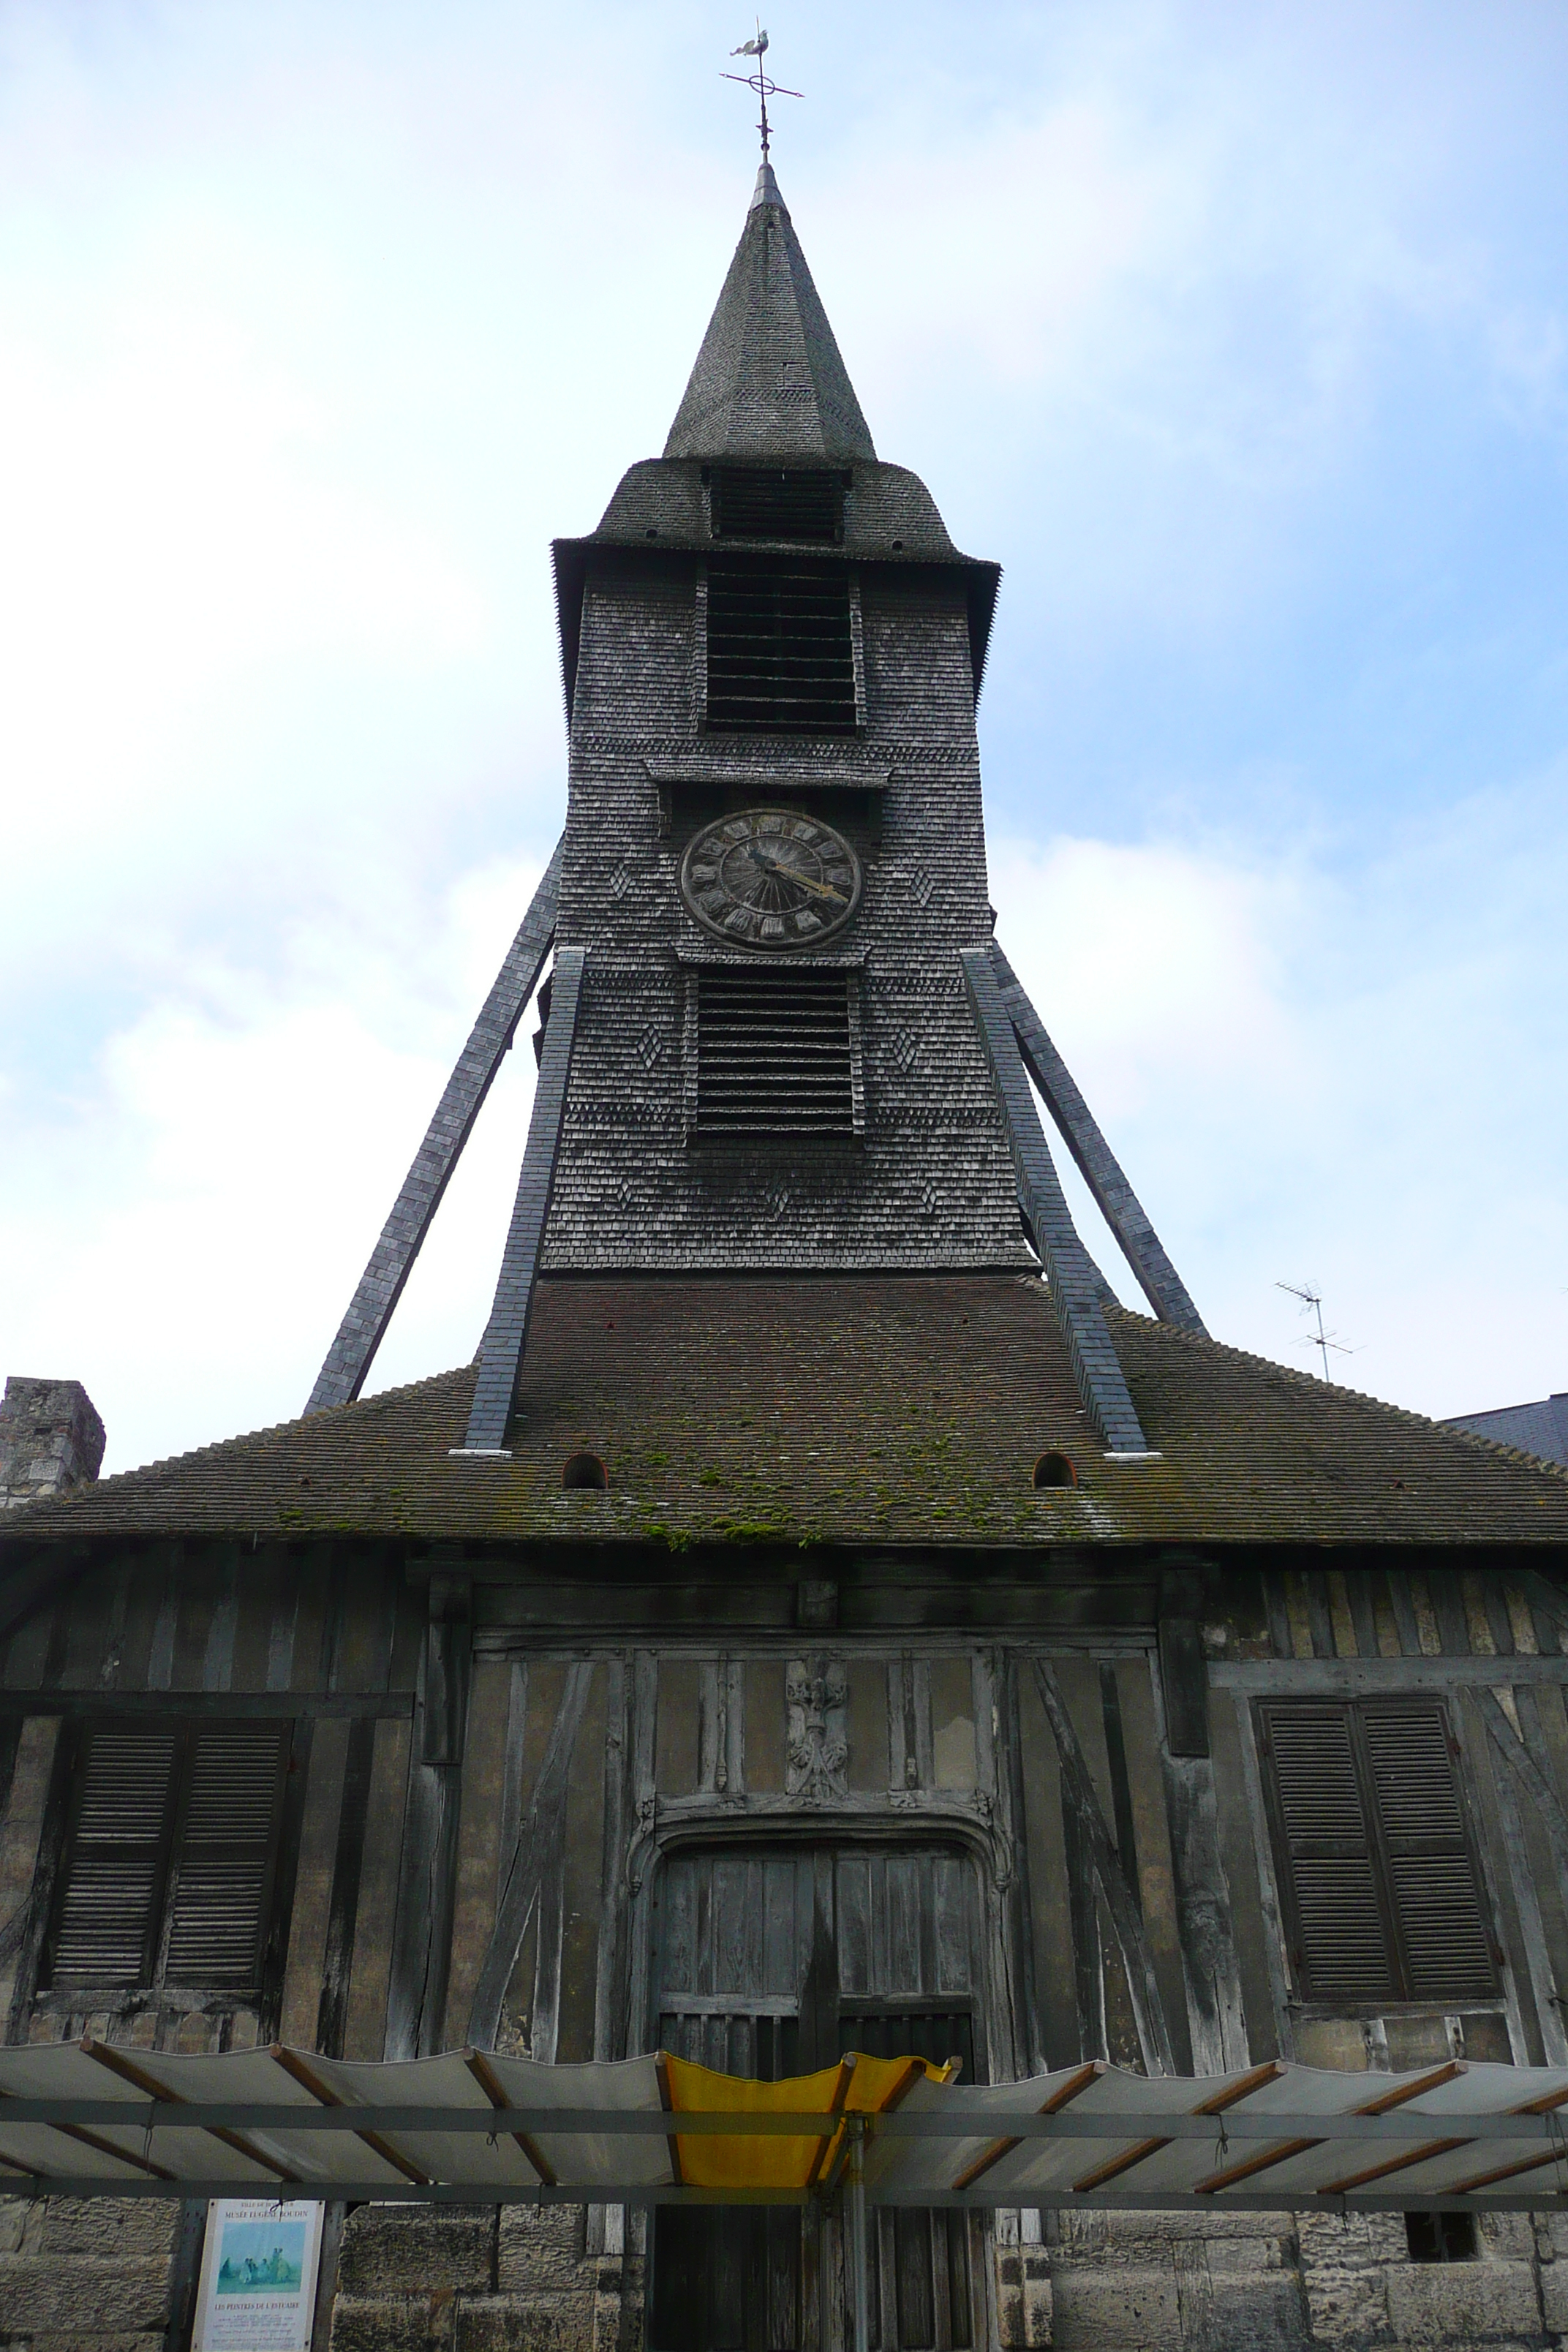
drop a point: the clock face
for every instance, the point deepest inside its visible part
(769, 878)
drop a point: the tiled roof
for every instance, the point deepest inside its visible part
(844, 1408)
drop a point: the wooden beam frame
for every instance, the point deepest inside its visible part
(363, 1327)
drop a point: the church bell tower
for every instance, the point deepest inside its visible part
(778, 1037)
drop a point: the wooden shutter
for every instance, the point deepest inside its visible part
(781, 650)
(170, 1856)
(1379, 1884)
(774, 1053)
(1446, 1951)
(111, 1892)
(223, 1876)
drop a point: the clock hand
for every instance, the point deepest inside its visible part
(782, 871)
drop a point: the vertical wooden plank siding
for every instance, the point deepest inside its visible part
(575, 1908)
(479, 1846)
(312, 1890)
(1243, 1878)
(1151, 1851)
(1477, 1765)
(342, 1907)
(20, 1832)
(366, 2032)
(1050, 1923)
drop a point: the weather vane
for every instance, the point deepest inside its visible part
(760, 81)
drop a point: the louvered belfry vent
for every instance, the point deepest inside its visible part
(795, 503)
(774, 1053)
(167, 1874)
(781, 649)
(1376, 1869)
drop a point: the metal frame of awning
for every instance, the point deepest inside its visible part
(463, 2130)
(94, 2119)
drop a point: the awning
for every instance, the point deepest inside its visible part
(89, 2119)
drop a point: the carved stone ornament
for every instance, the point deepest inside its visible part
(817, 1744)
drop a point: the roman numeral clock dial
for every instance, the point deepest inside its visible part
(769, 878)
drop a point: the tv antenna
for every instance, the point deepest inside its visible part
(1311, 1301)
(761, 81)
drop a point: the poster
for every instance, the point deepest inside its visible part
(259, 2276)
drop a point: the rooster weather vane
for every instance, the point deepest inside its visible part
(761, 81)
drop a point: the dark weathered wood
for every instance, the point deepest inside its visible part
(1404, 1608)
(448, 1657)
(1075, 1282)
(539, 1841)
(1114, 1195)
(380, 1286)
(1358, 1592)
(1532, 1772)
(506, 1333)
(184, 2274)
(218, 1706)
(422, 1935)
(275, 1951)
(1100, 1855)
(41, 1900)
(342, 1909)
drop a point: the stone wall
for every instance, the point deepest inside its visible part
(96, 2277)
(50, 1439)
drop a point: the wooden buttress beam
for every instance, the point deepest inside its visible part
(1096, 1163)
(506, 1334)
(362, 1328)
(1070, 1271)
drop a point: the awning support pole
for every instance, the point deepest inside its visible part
(858, 2278)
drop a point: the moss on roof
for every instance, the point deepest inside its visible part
(840, 1409)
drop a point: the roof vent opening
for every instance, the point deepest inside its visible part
(584, 1474)
(774, 1053)
(1053, 1470)
(781, 649)
(778, 502)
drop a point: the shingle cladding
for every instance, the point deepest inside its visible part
(843, 1411)
(932, 1185)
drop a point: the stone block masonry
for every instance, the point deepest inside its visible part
(51, 1439)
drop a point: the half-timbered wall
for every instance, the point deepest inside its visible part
(579, 1848)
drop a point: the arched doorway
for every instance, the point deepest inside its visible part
(771, 1960)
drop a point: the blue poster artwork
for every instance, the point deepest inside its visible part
(262, 2258)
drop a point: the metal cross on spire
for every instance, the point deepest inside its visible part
(761, 81)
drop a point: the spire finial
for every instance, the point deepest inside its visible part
(761, 81)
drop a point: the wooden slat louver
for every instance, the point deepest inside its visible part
(781, 654)
(1447, 1951)
(1379, 1884)
(217, 1904)
(170, 1855)
(108, 1909)
(797, 502)
(774, 1053)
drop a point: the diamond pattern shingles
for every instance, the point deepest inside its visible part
(846, 1409)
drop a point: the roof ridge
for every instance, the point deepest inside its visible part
(1309, 1383)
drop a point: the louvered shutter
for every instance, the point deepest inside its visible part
(1380, 1890)
(774, 1053)
(781, 650)
(1340, 1942)
(110, 1897)
(222, 1877)
(1446, 1949)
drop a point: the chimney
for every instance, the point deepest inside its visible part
(50, 1439)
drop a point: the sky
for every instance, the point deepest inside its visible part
(1236, 333)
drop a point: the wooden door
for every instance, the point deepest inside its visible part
(772, 1961)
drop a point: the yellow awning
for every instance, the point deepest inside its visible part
(856, 2086)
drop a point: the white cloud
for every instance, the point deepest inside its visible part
(1356, 1081)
